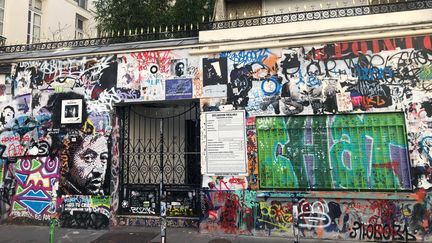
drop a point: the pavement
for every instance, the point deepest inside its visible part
(129, 234)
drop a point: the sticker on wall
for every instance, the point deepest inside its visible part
(343, 101)
(215, 77)
(71, 112)
(178, 89)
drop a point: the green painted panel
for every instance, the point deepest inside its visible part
(367, 152)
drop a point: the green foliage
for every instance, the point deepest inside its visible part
(120, 15)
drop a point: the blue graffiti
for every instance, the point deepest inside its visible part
(426, 146)
(271, 86)
(374, 73)
(245, 57)
(313, 81)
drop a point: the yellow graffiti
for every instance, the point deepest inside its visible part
(280, 228)
(277, 212)
(37, 180)
(89, 127)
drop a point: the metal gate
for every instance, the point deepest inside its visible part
(160, 137)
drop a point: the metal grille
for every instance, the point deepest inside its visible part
(319, 15)
(160, 135)
(183, 31)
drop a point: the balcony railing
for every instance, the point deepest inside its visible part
(193, 30)
(113, 38)
(320, 14)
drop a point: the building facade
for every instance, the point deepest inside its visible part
(316, 124)
(35, 21)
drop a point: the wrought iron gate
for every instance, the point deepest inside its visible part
(155, 136)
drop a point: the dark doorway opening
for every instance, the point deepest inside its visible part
(155, 136)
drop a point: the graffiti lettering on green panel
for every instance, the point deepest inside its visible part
(333, 152)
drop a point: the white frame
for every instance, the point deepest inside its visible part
(71, 120)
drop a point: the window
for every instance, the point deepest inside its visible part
(35, 4)
(79, 27)
(38, 4)
(82, 3)
(36, 27)
(2, 5)
(33, 27)
(236, 9)
(34, 21)
(340, 152)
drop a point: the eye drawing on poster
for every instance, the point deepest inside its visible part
(71, 111)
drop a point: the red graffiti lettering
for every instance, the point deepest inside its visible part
(161, 58)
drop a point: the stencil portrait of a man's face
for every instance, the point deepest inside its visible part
(89, 164)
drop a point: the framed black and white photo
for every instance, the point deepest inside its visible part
(71, 112)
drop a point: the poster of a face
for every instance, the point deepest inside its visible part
(178, 67)
(87, 166)
(71, 112)
(6, 116)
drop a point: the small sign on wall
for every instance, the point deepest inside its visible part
(226, 143)
(71, 112)
(343, 101)
(178, 89)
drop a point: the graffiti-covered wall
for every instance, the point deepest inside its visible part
(60, 135)
(337, 137)
(350, 116)
(55, 133)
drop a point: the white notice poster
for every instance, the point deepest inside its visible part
(226, 143)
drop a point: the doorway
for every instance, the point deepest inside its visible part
(160, 142)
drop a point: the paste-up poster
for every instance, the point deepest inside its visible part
(3, 88)
(226, 143)
(71, 112)
(215, 77)
(343, 101)
(153, 89)
(129, 73)
(178, 89)
(179, 68)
